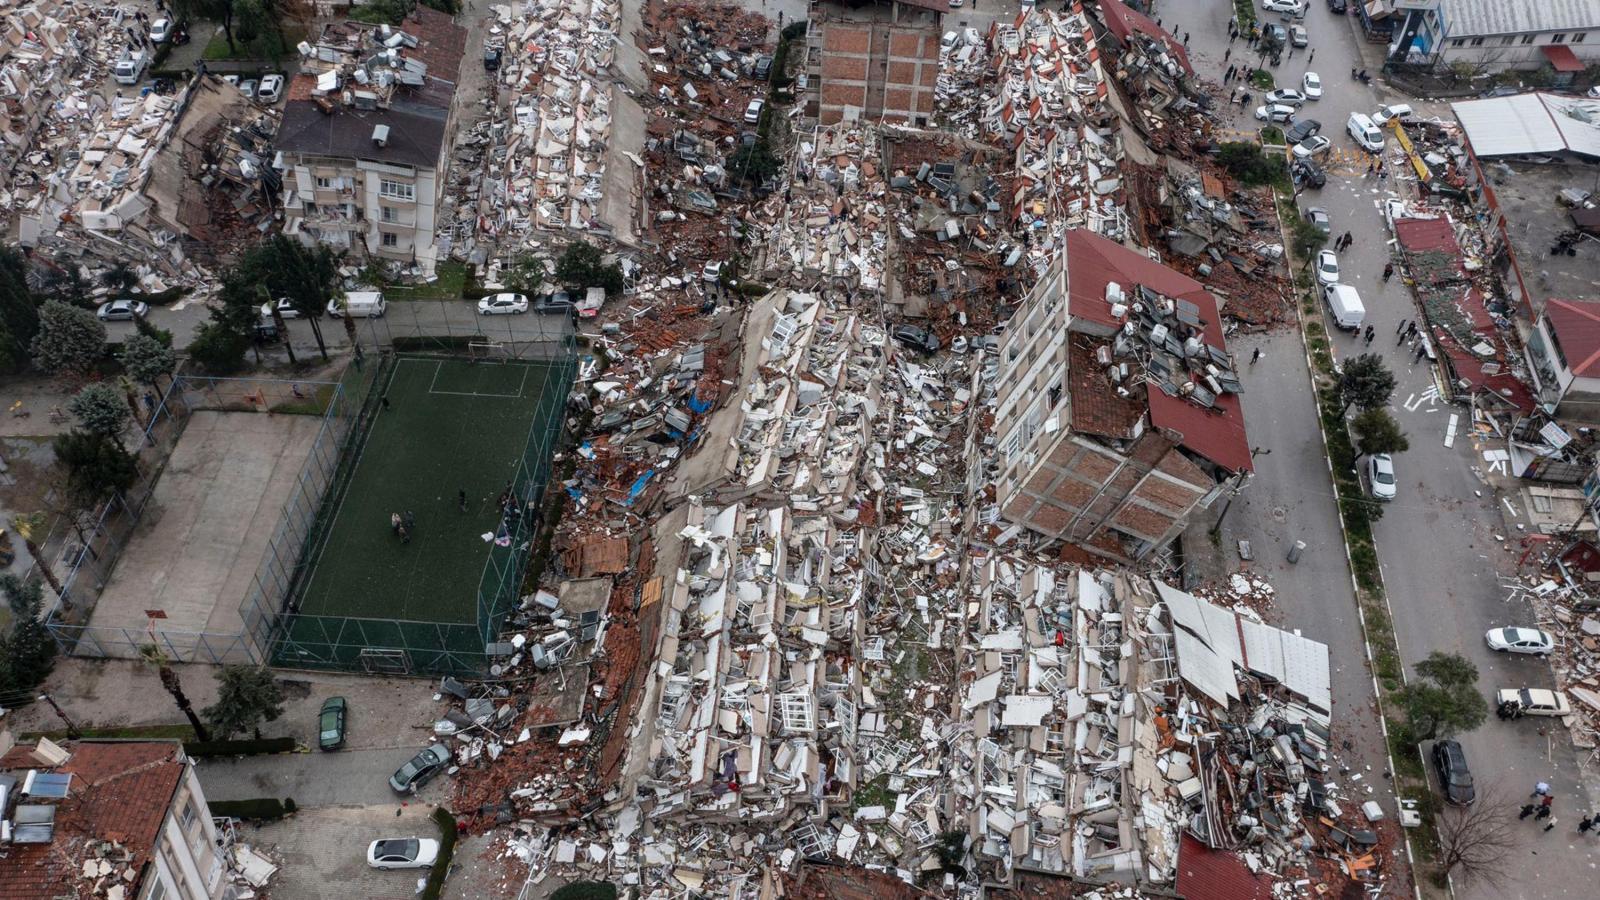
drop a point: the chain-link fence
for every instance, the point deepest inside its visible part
(454, 326)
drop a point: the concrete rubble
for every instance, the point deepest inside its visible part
(1559, 575)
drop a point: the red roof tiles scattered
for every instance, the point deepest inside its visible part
(1207, 874)
(1122, 21)
(120, 792)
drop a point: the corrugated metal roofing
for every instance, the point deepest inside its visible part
(1531, 123)
(1470, 18)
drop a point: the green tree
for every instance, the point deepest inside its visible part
(68, 285)
(1377, 432)
(19, 311)
(173, 685)
(1366, 382)
(753, 163)
(101, 409)
(147, 359)
(382, 12)
(31, 527)
(218, 350)
(1306, 237)
(247, 697)
(1443, 699)
(527, 274)
(119, 278)
(308, 277)
(70, 340)
(582, 266)
(218, 11)
(27, 649)
(97, 467)
(1246, 162)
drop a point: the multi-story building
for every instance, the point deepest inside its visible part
(1118, 413)
(114, 819)
(366, 134)
(1493, 35)
(876, 61)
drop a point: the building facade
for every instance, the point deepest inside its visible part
(365, 140)
(85, 815)
(877, 61)
(1117, 415)
(1495, 35)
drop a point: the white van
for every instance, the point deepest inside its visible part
(360, 304)
(1365, 132)
(129, 68)
(1345, 305)
(1393, 111)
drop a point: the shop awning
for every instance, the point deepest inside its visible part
(1562, 57)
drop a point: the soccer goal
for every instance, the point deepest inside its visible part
(488, 351)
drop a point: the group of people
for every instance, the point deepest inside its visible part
(1542, 810)
(403, 525)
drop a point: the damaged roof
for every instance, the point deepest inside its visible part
(416, 132)
(1124, 21)
(1576, 325)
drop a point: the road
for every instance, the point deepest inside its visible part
(1436, 541)
(344, 778)
(404, 318)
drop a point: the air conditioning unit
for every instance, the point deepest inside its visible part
(1113, 292)
(380, 135)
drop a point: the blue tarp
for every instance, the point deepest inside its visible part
(638, 487)
(698, 406)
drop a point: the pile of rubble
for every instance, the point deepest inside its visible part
(1561, 585)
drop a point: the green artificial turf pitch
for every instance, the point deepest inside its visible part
(450, 425)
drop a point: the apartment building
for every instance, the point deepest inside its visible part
(876, 61)
(365, 140)
(1118, 413)
(114, 819)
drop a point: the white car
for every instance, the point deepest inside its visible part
(712, 272)
(1380, 471)
(1275, 113)
(1328, 267)
(402, 853)
(1394, 209)
(1520, 640)
(1292, 7)
(502, 304)
(752, 113)
(1286, 97)
(1513, 703)
(1312, 86)
(160, 31)
(284, 309)
(271, 89)
(248, 87)
(122, 310)
(1311, 146)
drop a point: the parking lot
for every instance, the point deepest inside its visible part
(322, 852)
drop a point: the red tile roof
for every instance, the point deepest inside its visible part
(1576, 324)
(1093, 262)
(1418, 235)
(120, 792)
(1206, 874)
(1123, 21)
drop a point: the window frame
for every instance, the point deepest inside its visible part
(397, 190)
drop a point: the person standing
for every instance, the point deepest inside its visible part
(1369, 335)
(1584, 824)
(1312, 55)
(1255, 357)
(461, 499)
(1388, 271)
(385, 399)
(1528, 809)
(1401, 328)
(1226, 54)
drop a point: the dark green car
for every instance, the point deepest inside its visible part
(330, 725)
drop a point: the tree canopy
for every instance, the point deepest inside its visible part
(308, 277)
(101, 408)
(1377, 432)
(582, 266)
(19, 311)
(247, 698)
(1366, 382)
(1443, 699)
(27, 650)
(147, 359)
(70, 340)
(97, 466)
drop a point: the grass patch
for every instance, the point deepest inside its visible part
(268, 47)
(1262, 80)
(1245, 11)
(1272, 134)
(315, 404)
(450, 284)
(874, 793)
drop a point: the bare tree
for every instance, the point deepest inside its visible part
(1475, 840)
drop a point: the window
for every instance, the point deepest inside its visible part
(1578, 38)
(1555, 344)
(1477, 42)
(390, 214)
(1459, 42)
(158, 890)
(397, 190)
(311, 208)
(1559, 37)
(1527, 39)
(324, 183)
(390, 239)
(1507, 41)
(186, 816)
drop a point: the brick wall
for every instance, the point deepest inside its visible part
(893, 65)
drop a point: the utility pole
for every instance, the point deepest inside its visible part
(72, 729)
(1238, 485)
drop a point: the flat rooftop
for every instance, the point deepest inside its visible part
(1528, 196)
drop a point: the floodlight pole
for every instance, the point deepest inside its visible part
(72, 729)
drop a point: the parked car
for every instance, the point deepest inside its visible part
(1311, 84)
(271, 89)
(330, 723)
(752, 113)
(402, 853)
(1338, 7)
(1276, 113)
(1328, 267)
(1286, 97)
(122, 310)
(285, 310)
(1365, 132)
(1298, 36)
(1312, 146)
(1380, 472)
(160, 31)
(1520, 640)
(1394, 209)
(130, 68)
(1318, 217)
(1455, 779)
(1292, 7)
(712, 272)
(491, 59)
(420, 768)
(248, 87)
(763, 67)
(1514, 703)
(502, 304)
(1392, 111)
(1305, 171)
(1272, 31)
(917, 338)
(1301, 130)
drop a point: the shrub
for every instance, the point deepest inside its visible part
(586, 890)
(447, 848)
(202, 749)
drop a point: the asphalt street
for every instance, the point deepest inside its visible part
(1437, 542)
(343, 778)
